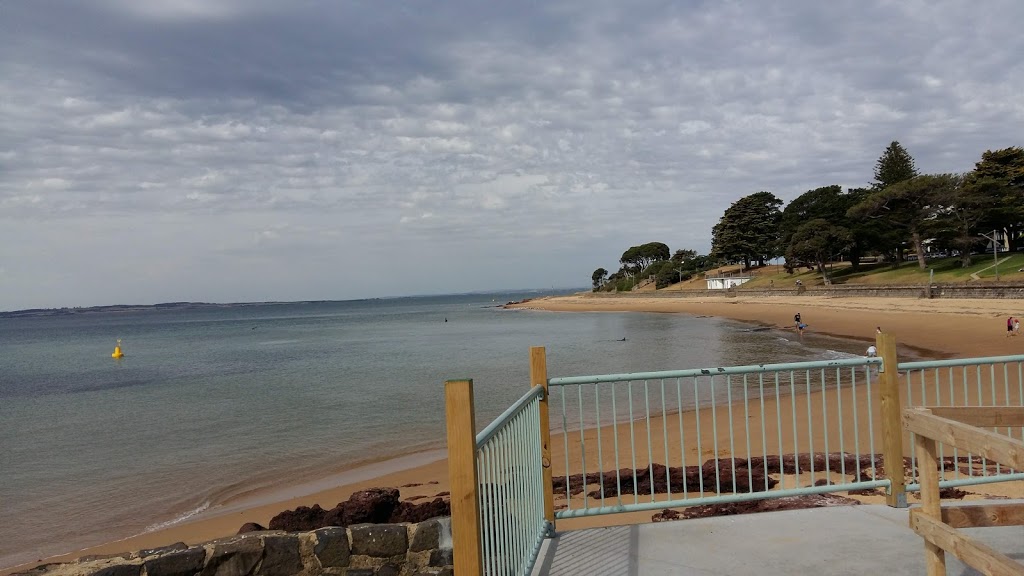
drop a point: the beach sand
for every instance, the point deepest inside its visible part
(935, 328)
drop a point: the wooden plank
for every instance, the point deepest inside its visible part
(973, 553)
(462, 476)
(931, 502)
(892, 431)
(539, 377)
(989, 445)
(984, 416)
(983, 515)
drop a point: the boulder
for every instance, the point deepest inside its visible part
(302, 519)
(178, 563)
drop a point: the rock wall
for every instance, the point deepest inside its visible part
(360, 550)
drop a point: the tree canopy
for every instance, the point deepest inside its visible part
(895, 165)
(749, 230)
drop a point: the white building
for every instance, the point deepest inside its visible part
(724, 283)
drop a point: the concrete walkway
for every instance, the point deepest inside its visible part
(853, 540)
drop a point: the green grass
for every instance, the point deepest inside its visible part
(947, 271)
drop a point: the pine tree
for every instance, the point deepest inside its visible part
(895, 165)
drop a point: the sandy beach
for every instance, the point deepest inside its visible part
(935, 328)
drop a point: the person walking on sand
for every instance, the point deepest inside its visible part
(1016, 326)
(1009, 327)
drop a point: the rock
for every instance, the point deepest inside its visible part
(823, 482)
(161, 550)
(414, 513)
(771, 505)
(426, 537)
(280, 556)
(332, 547)
(441, 557)
(952, 494)
(120, 570)
(251, 527)
(666, 515)
(379, 540)
(181, 563)
(234, 557)
(302, 519)
(388, 570)
(368, 506)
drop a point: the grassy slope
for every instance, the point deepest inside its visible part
(947, 271)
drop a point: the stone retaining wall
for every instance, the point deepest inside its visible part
(360, 550)
(994, 291)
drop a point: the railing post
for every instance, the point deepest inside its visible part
(892, 425)
(539, 377)
(462, 477)
(931, 504)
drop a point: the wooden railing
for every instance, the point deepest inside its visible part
(960, 427)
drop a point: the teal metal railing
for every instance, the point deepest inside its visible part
(991, 381)
(813, 424)
(511, 488)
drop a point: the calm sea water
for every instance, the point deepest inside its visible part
(208, 404)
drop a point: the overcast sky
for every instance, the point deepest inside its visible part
(249, 150)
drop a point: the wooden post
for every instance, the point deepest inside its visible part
(462, 477)
(931, 504)
(892, 425)
(539, 377)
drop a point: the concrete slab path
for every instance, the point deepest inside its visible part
(842, 540)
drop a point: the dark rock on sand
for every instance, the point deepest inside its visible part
(373, 506)
(250, 527)
(771, 505)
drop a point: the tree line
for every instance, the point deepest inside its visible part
(900, 211)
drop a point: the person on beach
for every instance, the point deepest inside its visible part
(1016, 326)
(872, 351)
(796, 318)
(878, 329)
(1009, 327)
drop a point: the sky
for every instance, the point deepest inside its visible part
(254, 150)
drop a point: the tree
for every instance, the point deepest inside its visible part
(748, 230)
(894, 166)
(816, 240)
(829, 203)
(599, 276)
(999, 177)
(964, 205)
(911, 205)
(682, 255)
(637, 258)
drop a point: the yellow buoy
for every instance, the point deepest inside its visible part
(117, 350)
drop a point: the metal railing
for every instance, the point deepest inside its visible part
(992, 381)
(812, 423)
(511, 487)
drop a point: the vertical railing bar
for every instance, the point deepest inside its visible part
(981, 402)
(992, 385)
(1006, 394)
(796, 450)
(632, 441)
(650, 450)
(824, 425)
(778, 427)
(810, 420)
(583, 447)
(910, 402)
(746, 426)
(487, 523)
(600, 452)
(856, 420)
(764, 432)
(871, 427)
(967, 402)
(664, 430)
(506, 496)
(1020, 391)
(731, 430)
(700, 451)
(938, 402)
(953, 402)
(515, 454)
(839, 406)
(714, 431)
(682, 437)
(565, 444)
(615, 438)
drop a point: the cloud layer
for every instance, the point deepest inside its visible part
(228, 150)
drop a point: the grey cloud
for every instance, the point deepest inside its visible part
(318, 137)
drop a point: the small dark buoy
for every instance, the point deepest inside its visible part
(445, 319)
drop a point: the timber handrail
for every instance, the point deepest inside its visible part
(959, 427)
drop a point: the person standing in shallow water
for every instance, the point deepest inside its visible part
(796, 318)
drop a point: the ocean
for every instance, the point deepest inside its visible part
(210, 403)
